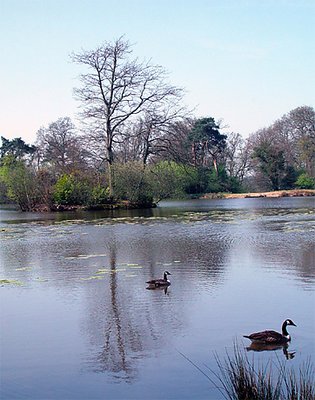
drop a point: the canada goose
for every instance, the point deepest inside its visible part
(272, 336)
(160, 282)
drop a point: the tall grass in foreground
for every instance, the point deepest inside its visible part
(238, 378)
(300, 387)
(242, 379)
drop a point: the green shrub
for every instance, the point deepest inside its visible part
(305, 181)
(289, 178)
(130, 182)
(100, 195)
(218, 181)
(19, 182)
(168, 180)
(234, 185)
(71, 190)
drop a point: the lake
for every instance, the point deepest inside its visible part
(77, 321)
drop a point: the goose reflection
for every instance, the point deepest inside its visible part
(255, 346)
(161, 288)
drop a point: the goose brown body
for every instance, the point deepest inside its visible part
(160, 282)
(272, 337)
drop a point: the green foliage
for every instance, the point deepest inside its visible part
(273, 166)
(20, 182)
(71, 190)
(289, 178)
(16, 148)
(171, 180)
(130, 182)
(220, 181)
(234, 185)
(202, 181)
(305, 181)
(271, 163)
(4, 199)
(206, 130)
(205, 139)
(100, 195)
(189, 179)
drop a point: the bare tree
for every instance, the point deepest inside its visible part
(175, 145)
(237, 156)
(58, 145)
(116, 90)
(153, 131)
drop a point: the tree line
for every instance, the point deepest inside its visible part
(138, 143)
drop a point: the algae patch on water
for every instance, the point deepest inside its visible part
(38, 279)
(90, 278)
(84, 256)
(13, 282)
(103, 271)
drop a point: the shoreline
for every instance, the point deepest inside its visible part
(274, 194)
(133, 205)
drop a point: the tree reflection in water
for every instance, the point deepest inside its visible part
(119, 333)
(124, 324)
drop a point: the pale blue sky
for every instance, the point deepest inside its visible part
(246, 62)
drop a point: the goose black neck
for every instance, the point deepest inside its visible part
(165, 276)
(284, 329)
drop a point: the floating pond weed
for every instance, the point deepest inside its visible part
(13, 282)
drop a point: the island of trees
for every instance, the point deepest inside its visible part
(138, 144)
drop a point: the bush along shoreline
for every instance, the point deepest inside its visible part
(149, 203)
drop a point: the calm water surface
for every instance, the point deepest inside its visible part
(78, 323)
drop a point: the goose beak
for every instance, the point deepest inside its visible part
(293, 323)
